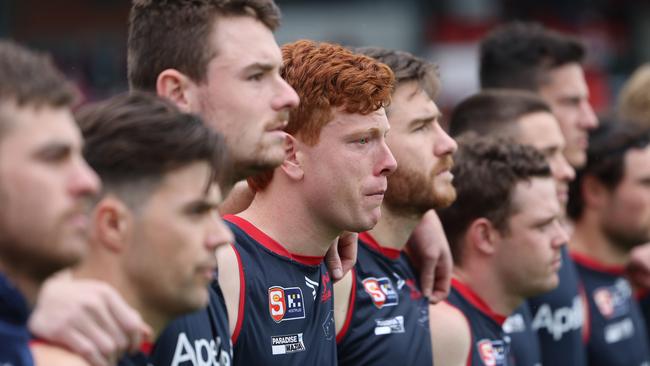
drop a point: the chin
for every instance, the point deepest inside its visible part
(193, 302)
(364, 224)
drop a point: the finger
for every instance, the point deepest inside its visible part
(442, 281)
(129, 321)
(88, 326)
(333, 262)
(427, 277)
(84, 347)
(109, 323)
(347, 249)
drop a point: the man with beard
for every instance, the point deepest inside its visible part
(218, 59)
(381, 315)
(609, 202)
(505, 235)
(277, 289)
(526, 119)
(45, 189)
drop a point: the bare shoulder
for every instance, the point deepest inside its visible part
(229, 281)
(450, 335)
(50, 355)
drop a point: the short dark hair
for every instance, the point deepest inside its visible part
(138, 137)
(406, 67)
(174, 34)
(495, 112)
(29, 77)
(608, 145)
(520, 54)
(486, 171)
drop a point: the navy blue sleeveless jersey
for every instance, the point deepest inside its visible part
(524, 344)
(490, 346)
(617, 333)
(286, 310)
(558, 316)
(643, 298)
(141, 358)
(201, 338)
(14, 336)
(388, 318)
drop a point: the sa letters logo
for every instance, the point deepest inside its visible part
(286, 303)
(381, 291)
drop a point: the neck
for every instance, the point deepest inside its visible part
(26, 284)
(486, 284)
(108, 271)
(588, 239)
(290, 223)
(393, 230)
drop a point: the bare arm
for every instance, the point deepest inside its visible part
(239, 198)
(450, 335)
(429, 251)
(88, 317)
(49, 355)
(229, 281)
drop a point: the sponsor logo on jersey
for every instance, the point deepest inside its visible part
(286, 303)
(389, 326)
(619, 331)
(492, 352)
(559, 321)
(515, 323)
(613, 301)
(290, 343)
(200, 352)
(381, 291)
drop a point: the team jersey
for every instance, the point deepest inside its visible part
(388, 318)
(643, 298)
(286, 310)
(558, 316)
(617, 333)
(141, 358)
(524, 344)
(14, 336)
(490, 346)
(201, 338)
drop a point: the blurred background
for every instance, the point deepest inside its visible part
(88, 37)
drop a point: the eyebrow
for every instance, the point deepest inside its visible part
(371, 130)
(260, 66)
(201, 204)
(427, 119)
(54, 147)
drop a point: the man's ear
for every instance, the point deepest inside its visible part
(483, 236)
(112, 224)
(594, 193)
(292, 165)
(179, 88)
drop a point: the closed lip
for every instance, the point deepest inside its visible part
(277, 126)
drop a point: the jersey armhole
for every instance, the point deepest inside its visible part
(242, 297)
(348, 316)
